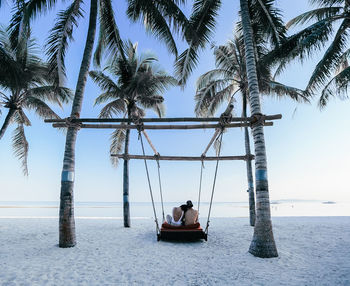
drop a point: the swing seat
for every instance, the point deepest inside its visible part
(181, 233)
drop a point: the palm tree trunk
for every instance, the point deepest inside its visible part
(249, 166)
(7, 122)
(263, 243)
(126, 209)
(66, 221)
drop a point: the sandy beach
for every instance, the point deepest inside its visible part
(312, 251)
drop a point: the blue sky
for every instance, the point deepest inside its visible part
(307, 150)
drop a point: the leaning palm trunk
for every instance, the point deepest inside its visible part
(66, 220)
(263, 243)
(126, 209)
(7, 121)
(249, 166)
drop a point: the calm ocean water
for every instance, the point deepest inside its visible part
(114, 210)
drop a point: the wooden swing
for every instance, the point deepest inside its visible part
(168, 232)
(185, 232)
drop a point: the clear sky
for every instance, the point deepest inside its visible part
(307, 149)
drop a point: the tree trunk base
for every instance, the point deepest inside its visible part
(263, 245)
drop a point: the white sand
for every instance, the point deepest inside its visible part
(312, 251)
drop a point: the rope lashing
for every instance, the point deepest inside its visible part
(71, 124)
(149, 184)
(257, 119)
(214, 182)
(226, 117)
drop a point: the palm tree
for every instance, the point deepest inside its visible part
(267, 18)
(160, 17)
(138, 85)
(24, 79)
(230, 78)
(263, 243)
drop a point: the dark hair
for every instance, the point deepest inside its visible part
(189, 204)
(184, 207)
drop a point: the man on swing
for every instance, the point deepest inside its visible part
(183, 215)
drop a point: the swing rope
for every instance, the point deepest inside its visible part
(200, 185)
(214, 182)
(160, 186)
(149, 184)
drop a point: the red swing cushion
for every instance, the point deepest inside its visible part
(190, 226)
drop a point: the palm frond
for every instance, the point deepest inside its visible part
(206, 97)
(117, 142)
(316, 14)
(116, 107)
(331, 58)
(160, 18)
(20, 147)
(281, 90)
(212, 75)
(185, 64)
(104, 82)
(326, 2)
(337, 86)
(57, 42)
(20, 118)
(40, 108)
(301, 45)
(109, 37)
(26, 12)
(198, 33)
(269, 21)
(159, 109)
(52, 94)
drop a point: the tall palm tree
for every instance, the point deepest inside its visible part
(263, 243)
(138, 85)
(332, 73)
(159, 17)
(229, 79)
(27, 86)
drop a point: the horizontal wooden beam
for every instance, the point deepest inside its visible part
(183, 158)
(171, 119)
(159, 127)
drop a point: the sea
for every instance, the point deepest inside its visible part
(144, 210)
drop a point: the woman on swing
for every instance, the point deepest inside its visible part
(183, 215)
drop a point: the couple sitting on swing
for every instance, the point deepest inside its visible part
(183, 215)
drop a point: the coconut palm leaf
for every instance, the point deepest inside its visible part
(301, 45)
(19, 117)
(104, 81)
(331, 58)
(115, 107)
(198, 32)
(24, 14)
(117, 142)
(221, 96)
(269, 21)
(52, 94)
(282, 90)
(160, 18)
(316, 14)
(40, 108)
(326, 2)
(337, 86)
(109, 36)
(159, 109)
(20, 147)
(213, 75)
(57, 42)
(206, 97)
